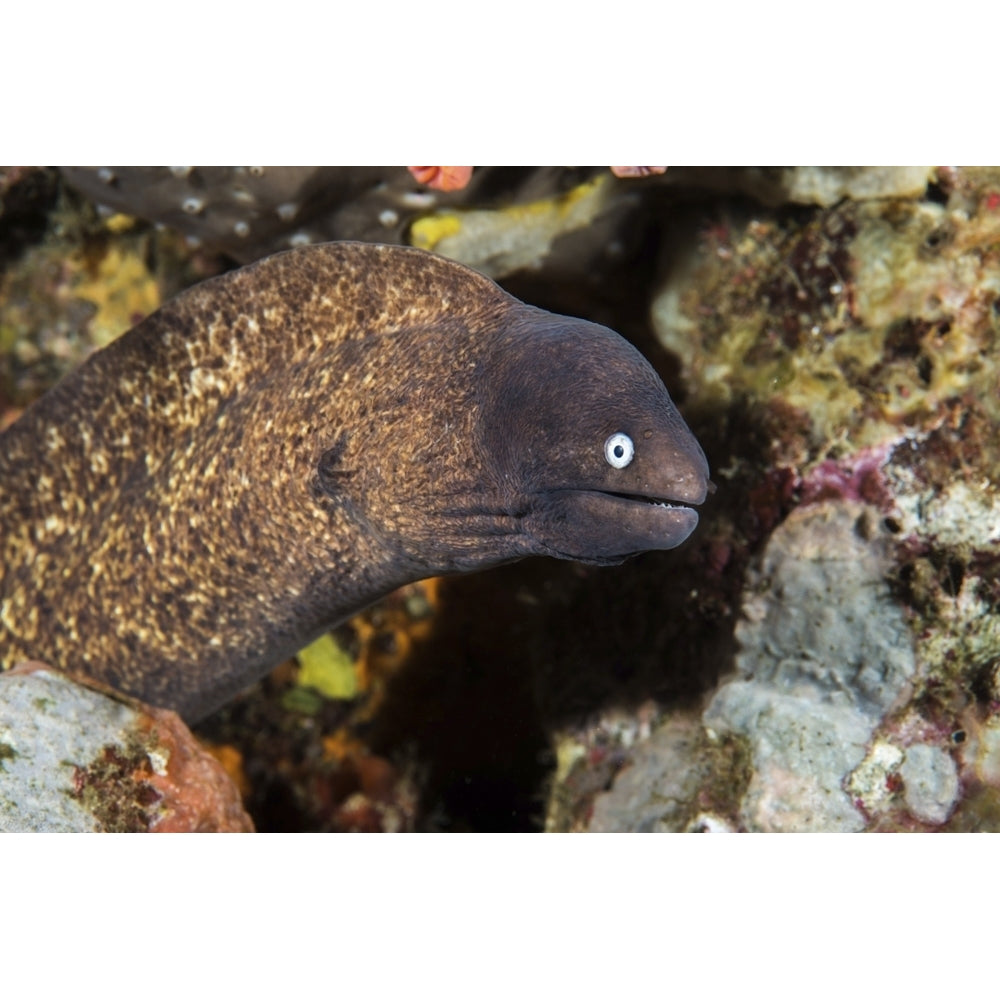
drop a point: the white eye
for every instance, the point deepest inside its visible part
(618, 450)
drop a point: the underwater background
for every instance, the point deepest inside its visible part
(823, 653)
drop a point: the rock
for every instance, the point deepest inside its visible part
(825, 652)
(827, 185)
(930, 782)
(819, 621)
(522, 237)
(653, 794)
(824, 186)
(825, 656)
(76, 759)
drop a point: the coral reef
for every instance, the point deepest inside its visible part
(70, 282)
(859, 343)
(824, 654)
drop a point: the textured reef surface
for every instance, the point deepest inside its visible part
(844, 361)
(74, 759)
(823, 654)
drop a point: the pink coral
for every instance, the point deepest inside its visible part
(856, 477)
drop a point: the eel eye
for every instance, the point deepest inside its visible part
(618, 450)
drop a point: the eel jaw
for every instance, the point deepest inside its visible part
(603, 527)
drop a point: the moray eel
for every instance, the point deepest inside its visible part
(276, 448)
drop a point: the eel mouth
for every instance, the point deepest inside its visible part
(644, 499)
(643, 508)
(606, 527)
(687, 492)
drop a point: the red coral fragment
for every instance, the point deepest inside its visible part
(442, 178)
(637, 171)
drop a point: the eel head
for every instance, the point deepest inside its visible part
(595, 461)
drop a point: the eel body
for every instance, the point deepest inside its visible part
(278, 447)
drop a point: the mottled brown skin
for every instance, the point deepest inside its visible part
(277, 448)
